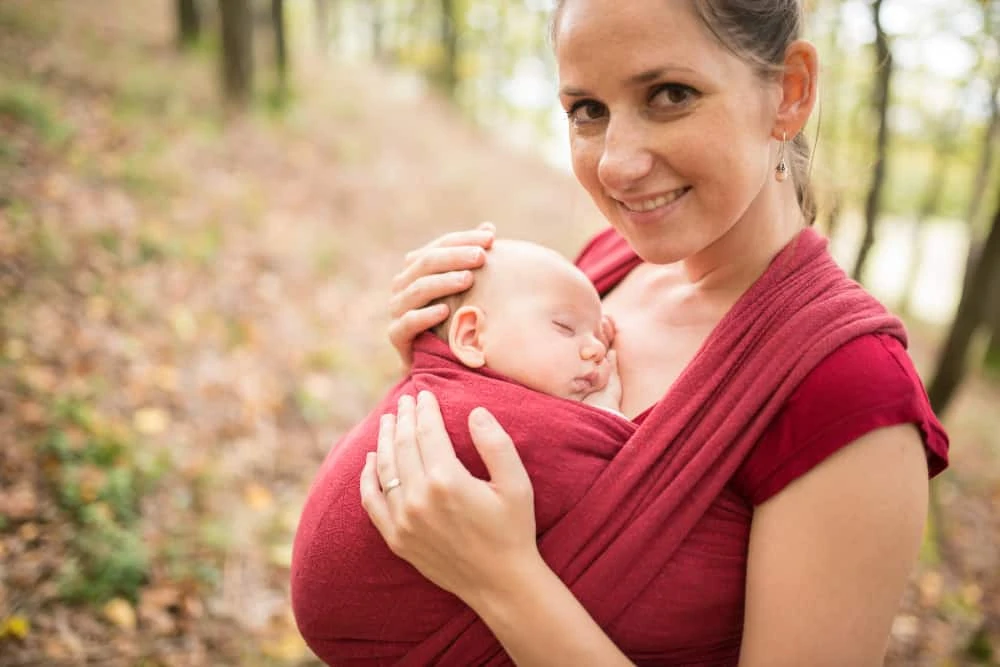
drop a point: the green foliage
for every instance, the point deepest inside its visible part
(99, 485)
(979, 648)
(108, 561)
(25, 103)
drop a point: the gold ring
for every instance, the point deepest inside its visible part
(393, 483)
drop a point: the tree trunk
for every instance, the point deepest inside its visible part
(951, 364)
(322, 18)
(378, 30)
(883, 78)
(188, 23)
(280, 45)
(236, 22)
(991, 361)
(985, 162)
(449, 42)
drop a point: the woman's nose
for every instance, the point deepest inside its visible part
(626, 158)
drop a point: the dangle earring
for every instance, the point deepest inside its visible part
(781, 171)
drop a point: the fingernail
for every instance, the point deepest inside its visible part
(475, 254)
(481, 417)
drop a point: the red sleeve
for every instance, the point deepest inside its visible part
(867, 384)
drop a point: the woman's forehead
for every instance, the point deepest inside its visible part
(632, 39)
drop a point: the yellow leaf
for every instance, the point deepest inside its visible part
(183, 322)
(16, 626)
(289, 647)
(150, 421)
(257, 496)
(14, 349)
(120, 613)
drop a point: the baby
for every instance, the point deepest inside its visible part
(534, 317)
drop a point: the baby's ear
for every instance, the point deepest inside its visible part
(465, 336)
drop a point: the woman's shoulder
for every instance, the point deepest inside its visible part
(866, 384)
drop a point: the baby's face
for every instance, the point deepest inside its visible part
(545, 332)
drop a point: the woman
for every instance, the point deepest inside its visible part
(685, 125)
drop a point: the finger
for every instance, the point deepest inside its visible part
(372, 499)
(438, 260)
(482, 236)
(608, 329)
(425, 289)
(403, 330)
(498, 452)
(385, 454)
(436, 448)
(409, 467)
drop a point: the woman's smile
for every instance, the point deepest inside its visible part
(647, 210)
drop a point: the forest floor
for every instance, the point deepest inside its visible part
(193, 309)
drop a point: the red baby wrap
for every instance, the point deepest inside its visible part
(613, 500)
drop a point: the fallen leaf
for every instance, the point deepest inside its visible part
(120, 613)
(150, 421)
(14, 349)
(289, 647)
(19, 503)
(931, 585)
(184, 324)
(16, 626)
(257, 496)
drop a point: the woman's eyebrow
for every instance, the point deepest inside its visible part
(644, 77)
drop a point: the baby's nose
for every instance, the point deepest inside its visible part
(594, 350)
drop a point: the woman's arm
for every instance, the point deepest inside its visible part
(474, 538)
(830, 555)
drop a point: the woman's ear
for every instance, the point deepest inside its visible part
(799, 85)
(465, 336)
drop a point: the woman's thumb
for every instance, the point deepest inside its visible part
(498, 452)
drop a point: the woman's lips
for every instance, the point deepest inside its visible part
(653, 208)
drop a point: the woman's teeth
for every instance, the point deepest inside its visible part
(656, 202)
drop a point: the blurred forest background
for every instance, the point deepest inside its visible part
(202, 203)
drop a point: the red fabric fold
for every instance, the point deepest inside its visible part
(357, 603)
(640, 499)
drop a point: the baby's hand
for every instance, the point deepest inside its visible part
(609, 396)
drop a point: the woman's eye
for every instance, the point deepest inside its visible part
(585, 111)
(672, 95)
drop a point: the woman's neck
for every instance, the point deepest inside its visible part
(735, 261)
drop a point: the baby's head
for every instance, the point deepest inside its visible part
(533, 316)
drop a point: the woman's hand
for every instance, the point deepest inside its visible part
(439, 269)
(466, 535)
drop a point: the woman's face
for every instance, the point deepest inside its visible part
(670, 133)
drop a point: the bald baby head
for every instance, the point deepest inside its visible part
(513, 267)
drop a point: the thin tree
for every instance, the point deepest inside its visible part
(188, 23)
(236, 23)
(378, 29)
(880, 103)
(951, 364)
(449, 42)
(280, 45)
(322, 25)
